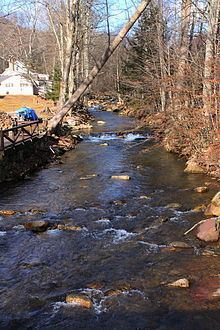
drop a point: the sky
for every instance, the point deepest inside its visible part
(119, 11)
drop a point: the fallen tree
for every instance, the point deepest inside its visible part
(98, 66)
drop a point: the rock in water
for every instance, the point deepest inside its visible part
(214, 207)
(104, 144)
(68, 227)
(173, 206)
(37, 226)
(79, 300)
(212, 210)
(181, 283)
(201, 189)
(208, 231)
(180, 245)
(7, 212)
(121, 177)
(199, 208)
(193, 167)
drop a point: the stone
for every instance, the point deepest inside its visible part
(95, 286)
(209, 253)
(181, 283)
(104, 144)
(201, 189)
(208, 231)
(79, 300)
(68, 227)
(199, 208)
(35, 211)
(212, 209)
(37, 226)
(7, 213)
(121, 177)
(193, 167)
(144, 197)
(180, 245)
(173, 206)
(88, 177)
(119, 202)
(113, 292)
(216, 199)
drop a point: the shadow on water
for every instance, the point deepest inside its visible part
(122, 241)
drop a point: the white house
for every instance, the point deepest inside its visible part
(18, 80)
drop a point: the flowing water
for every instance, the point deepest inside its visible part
(120, 256)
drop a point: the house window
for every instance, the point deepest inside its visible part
(23, 85)
(9, 85)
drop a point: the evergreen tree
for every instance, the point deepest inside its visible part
(55, 92)
(141, 70)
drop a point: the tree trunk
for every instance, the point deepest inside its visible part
(161, 56)
(210, 53)
(107, 53)
(184, 42)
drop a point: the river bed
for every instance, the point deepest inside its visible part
(120, 258)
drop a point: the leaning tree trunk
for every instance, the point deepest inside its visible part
(107, 53)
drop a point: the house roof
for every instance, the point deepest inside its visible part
(11, 74)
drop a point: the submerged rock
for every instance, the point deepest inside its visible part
(68, 227)
(181, 283)
(88, 177)
(121, 177)
(199, 208)
(145, 197)
(7, 212)
(208, 231)
(37, 226)
(104, 144)
(79, 300)
(180, 245)
(201, 189)
(35, 211)
(173, 206)
(206, 289)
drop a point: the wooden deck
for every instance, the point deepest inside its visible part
(10, 138)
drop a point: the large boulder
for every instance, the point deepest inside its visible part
(214, 207)
(208, 231)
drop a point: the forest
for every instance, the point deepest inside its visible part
(166, 70)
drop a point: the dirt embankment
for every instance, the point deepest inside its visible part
(10, 103)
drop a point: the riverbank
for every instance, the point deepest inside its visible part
(25, 158)
(200, 150)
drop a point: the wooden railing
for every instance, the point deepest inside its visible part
(18, 134)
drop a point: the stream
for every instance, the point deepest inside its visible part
(119, 256)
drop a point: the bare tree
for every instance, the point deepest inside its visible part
(107, 53)
(211, 51)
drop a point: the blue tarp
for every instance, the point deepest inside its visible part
(27, 113)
